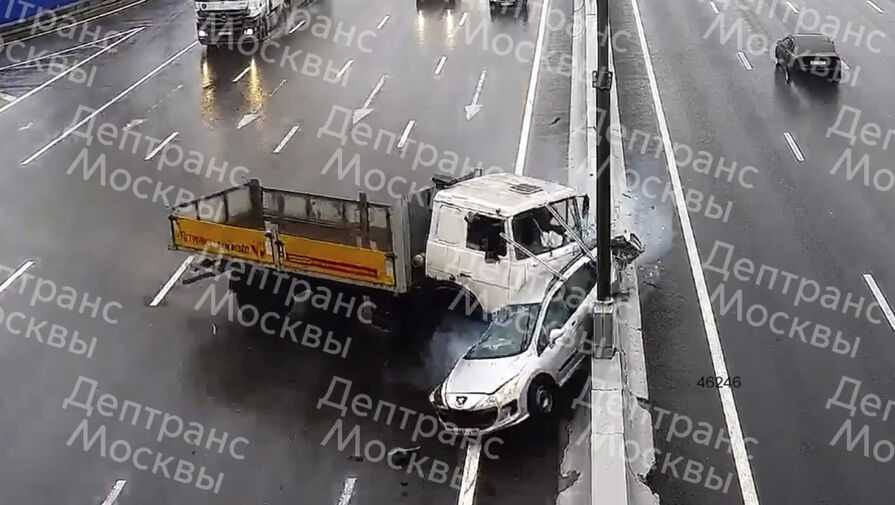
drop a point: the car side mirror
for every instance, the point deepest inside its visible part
(555, 336)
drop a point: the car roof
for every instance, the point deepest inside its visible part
(814, 42)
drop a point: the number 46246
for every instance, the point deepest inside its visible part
(719, 382)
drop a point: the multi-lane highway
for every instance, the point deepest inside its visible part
(806, 233)
(107, 123)
(768, 236)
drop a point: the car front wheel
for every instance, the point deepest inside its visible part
(541, 398)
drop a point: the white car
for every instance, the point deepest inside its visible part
(531, 349)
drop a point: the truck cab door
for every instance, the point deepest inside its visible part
(466, 248)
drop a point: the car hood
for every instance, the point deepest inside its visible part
(482, 376)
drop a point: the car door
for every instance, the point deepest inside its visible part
(567, 310)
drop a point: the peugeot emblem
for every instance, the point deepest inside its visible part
(461, 400)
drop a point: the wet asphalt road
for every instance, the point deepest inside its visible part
(109, 237)
(803, 217)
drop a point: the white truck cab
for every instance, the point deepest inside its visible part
(478, 225)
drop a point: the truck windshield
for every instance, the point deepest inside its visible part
(508, 334)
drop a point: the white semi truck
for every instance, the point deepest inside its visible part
(229, 23)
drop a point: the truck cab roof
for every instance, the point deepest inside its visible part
(503, 195)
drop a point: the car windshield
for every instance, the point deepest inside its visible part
(508, 334)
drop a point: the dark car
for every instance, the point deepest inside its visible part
(812, 53)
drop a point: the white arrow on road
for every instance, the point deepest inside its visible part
(474, 108)
(366, 110)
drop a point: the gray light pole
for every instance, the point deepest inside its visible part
(602, 82)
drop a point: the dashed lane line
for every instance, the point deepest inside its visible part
(440, 65)
(297, 26)
(383, 22)
(880, 299)
(69, 70)
(714, 7)
(292, 131)
(113, 494)
(402, 142)
(347, 491)
(162, 293)
(744, 60)
(15, 275)
(161, 146)
(72, 25)
(242, 74)
(792, 6)
(344, 68)
(108, 104)
(794, 147)
(719, 363)
(875, 7)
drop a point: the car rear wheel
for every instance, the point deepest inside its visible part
(542, 398)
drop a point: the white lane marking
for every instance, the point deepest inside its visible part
(113, 494)
(875, 7)
(440, 66)
(6, 97)
(792, 7)
(714, 7)
(161, 146)
(162, 293)
(794, 147)
(470, 473)
(474, 108)
(242, 74)
(68, 71)
(403, 140)
(280, 85)
(744, 60)
(70, 49)
(108, 104)
(532, 85)
(383, 22)
(26, 127)
(247, 119)
(463, 19)
(298, 26)
(286, 139)
(72, 25)
(347, 491)
(366, 109)
(880, 299)
(344, 69)
(134, 123)
(728, 404)
(15, 275)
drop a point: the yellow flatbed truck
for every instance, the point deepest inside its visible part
(485, 236)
